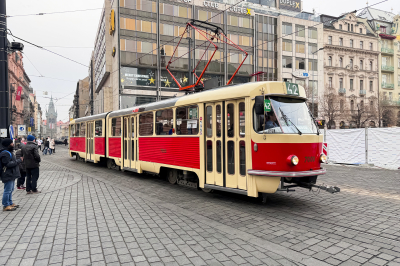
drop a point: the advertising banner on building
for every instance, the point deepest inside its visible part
(19, 92)
(293, 5)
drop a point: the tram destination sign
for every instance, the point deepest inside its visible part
(267, 105)
(292, 88)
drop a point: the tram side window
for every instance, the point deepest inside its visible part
(242, 121)
(209, 121)
(77, 128)
(146, 124)
(164, 122)
(218, 110)
(98, 128)
(116, 127)
(72, 131)
(187, 120)
(83, 127)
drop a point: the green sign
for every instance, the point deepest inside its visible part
(292, 88)
(267, 105)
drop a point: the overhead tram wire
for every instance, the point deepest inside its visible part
(57, 12)
(38, 46)
(32, 64)
(265, 41)
(51, 78)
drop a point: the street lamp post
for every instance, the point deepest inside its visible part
(320, 49)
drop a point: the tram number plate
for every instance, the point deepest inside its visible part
(292, 88)
(267, 105)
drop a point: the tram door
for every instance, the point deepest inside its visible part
(89, 142)
(235, 155)
(133, 141)
(214, 144)
(129, 150)
(126, 140)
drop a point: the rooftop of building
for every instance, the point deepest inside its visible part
(376, 14)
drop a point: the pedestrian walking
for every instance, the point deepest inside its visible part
(39, 143)
(32, 160)
(22, 170)
(9, 172)
(46, 147)
(65, 142)
(52, 146)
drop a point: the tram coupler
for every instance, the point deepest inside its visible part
(330, 189)
(286, 189)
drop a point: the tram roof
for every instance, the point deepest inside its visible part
(89, 118)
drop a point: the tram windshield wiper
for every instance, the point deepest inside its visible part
(288, 120)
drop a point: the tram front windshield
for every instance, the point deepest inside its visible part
(287, 116)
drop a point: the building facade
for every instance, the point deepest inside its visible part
(300, 59)
(351, 72)
(82, 100)
(136, 39)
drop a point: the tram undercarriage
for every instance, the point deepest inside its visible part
(308, 182)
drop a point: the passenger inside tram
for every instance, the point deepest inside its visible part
(272, 121)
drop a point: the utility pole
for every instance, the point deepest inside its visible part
(4, 92)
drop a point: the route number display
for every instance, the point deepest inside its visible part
(292, 88)
(267, 105)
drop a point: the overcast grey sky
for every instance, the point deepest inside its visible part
(78, 29)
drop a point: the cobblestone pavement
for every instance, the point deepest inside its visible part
(90, 215)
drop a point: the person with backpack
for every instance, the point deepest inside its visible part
(32, 160)
(22, 170)
(9, 172)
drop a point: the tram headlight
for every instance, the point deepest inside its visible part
(322, 158)
(294, 160)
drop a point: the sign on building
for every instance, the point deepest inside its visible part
(21, 130)
(293, 5)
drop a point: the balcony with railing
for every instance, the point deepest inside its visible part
(363, 92)
(386, 85)
(387, 68)
(386, 50)
(342, 91)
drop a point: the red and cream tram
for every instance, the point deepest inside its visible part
(250, 138)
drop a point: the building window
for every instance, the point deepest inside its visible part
(300, 31)
(164, 122)
(330, 82)
(187, 120)
(341, 61)
(146, 124)
(286, 28)
(340, 27)
(351, 43)
(351, 63)
(371, 85)
(300, 47)
(390, 96)
(361, 84)
(351, 84)
(287, 45)
(370, 65)
(360, 30)
(361, 45)
(371, 46)
(330, 61)
(116, 127)
(312, 48)
(352, 105)
(329, 39)
(341, 83)
(383, 29)
(341, 105)
(287, 62)
(398, 62)
(352, 27)
(312, 65)
(300, 63)
(341, 41)
(361, 65)
(348, 27)
(312, 33)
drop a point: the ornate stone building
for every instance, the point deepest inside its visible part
(350, 72)
(51, 120)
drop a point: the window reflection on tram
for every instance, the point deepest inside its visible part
(287, 116)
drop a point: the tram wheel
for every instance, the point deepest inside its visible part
(109, 164)
(207, 190)
(172, 176)
(77, 157)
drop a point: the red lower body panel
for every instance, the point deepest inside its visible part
(77, 144)
(273, 156)
(178, 151)
(100, 145)
(114, 147)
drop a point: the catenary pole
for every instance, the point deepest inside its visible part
(4, 92)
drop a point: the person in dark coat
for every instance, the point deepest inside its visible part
(22, 170)
(65, 142)
(32, 160)
(9, 172)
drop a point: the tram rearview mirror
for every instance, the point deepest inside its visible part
(259, 105)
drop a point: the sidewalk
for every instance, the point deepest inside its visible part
(81, 220)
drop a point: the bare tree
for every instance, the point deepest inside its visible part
(363, 114)
(386, 111)
(329, 105)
